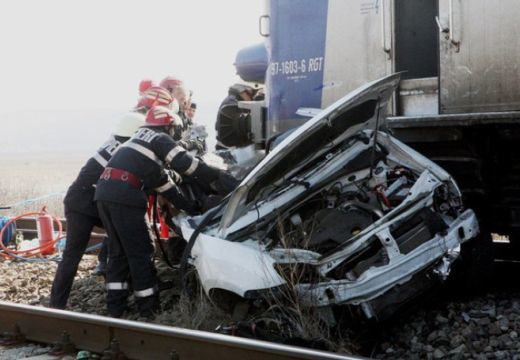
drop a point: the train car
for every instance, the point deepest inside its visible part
(458, 101)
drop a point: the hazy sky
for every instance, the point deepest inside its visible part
(68, 68)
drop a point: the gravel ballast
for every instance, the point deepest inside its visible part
(482, 327)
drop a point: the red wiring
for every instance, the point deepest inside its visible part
(381, 194)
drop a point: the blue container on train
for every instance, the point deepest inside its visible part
(8, 232)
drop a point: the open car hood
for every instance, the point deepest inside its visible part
(363, 108)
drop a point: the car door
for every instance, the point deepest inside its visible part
(358, 47)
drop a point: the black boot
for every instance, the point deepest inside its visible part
(149, 306)
(118, 312)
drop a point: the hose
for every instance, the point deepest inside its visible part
(29, 252)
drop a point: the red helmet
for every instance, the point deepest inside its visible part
(144, 85)
(159, 116)
(170, 83)
(155, 95)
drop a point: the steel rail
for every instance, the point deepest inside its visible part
(138, 340)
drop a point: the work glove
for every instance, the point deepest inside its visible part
(176, 178)
(193, 144)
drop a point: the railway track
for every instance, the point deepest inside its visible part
(137, 340)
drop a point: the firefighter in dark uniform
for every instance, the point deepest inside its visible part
(134, 172)
(229, 110)
(80, 210)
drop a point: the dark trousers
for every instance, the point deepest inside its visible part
(79, 227)
(130, 259)
(103, 252)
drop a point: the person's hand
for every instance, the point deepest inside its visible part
(193, 144)
(175, 177)
(199, 146)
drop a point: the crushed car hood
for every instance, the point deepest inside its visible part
(364, 108)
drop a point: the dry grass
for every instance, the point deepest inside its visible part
(306, 320)
(44, 177)
(290, 316)
(197, 313)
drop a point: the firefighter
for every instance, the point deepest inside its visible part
(156, 95)
(191, 111)
(80, 210)
(180, 92)
(133, 173)
(150, 94)
(229, 109)
(170, 83)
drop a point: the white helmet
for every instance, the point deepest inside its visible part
(241, 86)
(129, 124)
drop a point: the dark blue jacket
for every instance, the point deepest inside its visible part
(146, 155)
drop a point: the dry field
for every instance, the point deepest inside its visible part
(41, 176)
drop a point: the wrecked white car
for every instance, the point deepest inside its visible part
(341, 212)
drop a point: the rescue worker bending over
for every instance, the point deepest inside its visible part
(80, 210)
(135, 171)
(150, 95)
